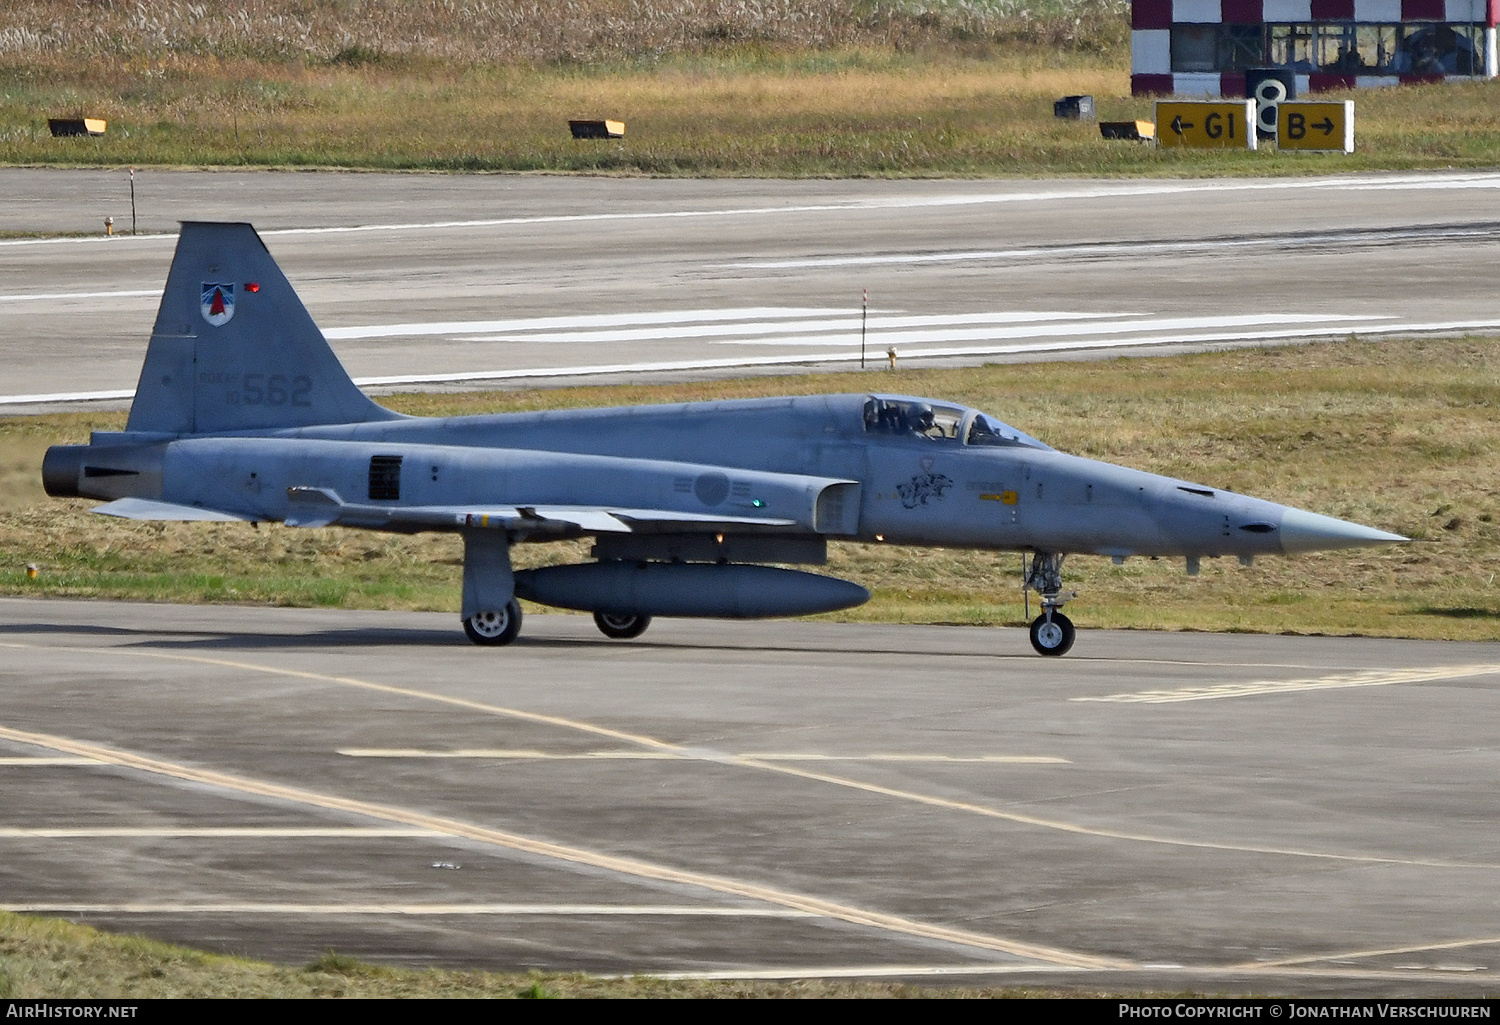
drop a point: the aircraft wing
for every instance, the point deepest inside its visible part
(321, 507)
(146, 509)
(689, 522)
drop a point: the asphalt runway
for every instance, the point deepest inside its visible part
(434, 281)
(1283, 815)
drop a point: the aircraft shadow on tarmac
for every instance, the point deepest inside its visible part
(220, 640)
(352, 638)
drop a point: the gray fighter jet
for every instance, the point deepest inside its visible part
(244, 413)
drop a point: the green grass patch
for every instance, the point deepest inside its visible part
(1401, 435)
(816, 88)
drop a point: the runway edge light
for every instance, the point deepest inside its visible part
(597, 129)
(1136, 131)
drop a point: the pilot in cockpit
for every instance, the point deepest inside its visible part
(921, 418)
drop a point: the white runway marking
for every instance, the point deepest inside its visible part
(835, 323)
(1364, 327)
(851, 353)
(81, 295)
(587, 320)
(52, 398)
(1372, 678)
(178, 832)
(523, 754)
(1086, 249)
(89, 240)
(762, 326)
(1414, 182)
(881, 332)
(956, 334)
(505, 910)
(775, 326)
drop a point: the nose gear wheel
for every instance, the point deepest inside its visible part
(1052, 633)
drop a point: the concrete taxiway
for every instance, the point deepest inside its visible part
(432, 281)
(1171, 811)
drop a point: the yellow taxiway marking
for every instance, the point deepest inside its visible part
(790, 756)
(524, 753)
(499, 910)
(383, 688)
(500, 752)
(652, 744)
(170, 832)
(45, 760)
(1355, 955)
(1110, 834)
(1415, 973)
(1371, 678)
(846, 972)
(576, 855)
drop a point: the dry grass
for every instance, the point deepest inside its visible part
(1401, 435)
(705, 87)
(466, 32)
(48, 958)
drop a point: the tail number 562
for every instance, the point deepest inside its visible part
(276, 390)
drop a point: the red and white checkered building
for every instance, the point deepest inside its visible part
(1203, 47)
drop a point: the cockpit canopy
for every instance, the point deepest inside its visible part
(936, 421)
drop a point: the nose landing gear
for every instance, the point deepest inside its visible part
(1052, 633)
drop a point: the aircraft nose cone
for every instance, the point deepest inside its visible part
(1303, 531)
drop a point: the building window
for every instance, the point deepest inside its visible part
(1338, 48)
(1439, 49)
(1241, 47)
(1294, 47)
(1195, 47)
(1376, 45)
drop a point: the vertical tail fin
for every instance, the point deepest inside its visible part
(234, 348)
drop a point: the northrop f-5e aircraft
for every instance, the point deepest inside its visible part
(244, 413)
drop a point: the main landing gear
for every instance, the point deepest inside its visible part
(621, 625)
(495, 626)
(1052, 633)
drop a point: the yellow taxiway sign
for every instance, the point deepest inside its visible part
(1314, 125)
(1206, 124)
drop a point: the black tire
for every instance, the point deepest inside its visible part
(621, 626)
(1054, 638)
(495, 627)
